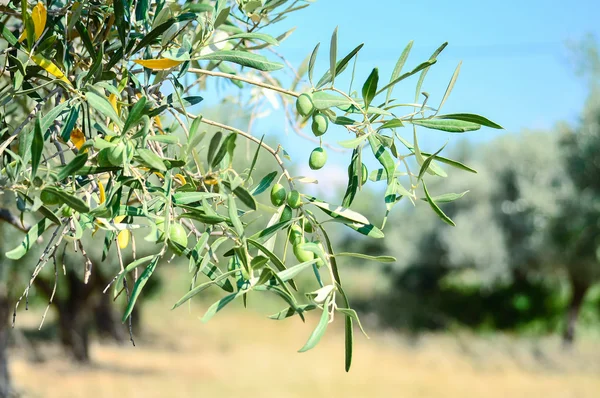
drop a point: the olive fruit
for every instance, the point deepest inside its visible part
(304, 104)
(318, 158)
(308, 228)
(293, 199)
(177, 237)
(115, 154)
(319, 124)
(278, 195)
(295, 235)
(49, 198)
(67, 211)
(286, 214)
(303, 255)
(365, 174)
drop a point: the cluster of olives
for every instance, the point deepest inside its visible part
(320, 123)
(293, 201)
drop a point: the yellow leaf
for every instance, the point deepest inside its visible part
(158, 123)
(101, 192)
(118, 219)
(113, 101)
(123, 238)
(180, 178)
(161, 175)
(158, 64)
(77, 138)
(50, 68)
(39, 19)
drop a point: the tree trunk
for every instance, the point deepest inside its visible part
(6, 389)
(578, 294)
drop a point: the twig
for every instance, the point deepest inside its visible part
(244, 79)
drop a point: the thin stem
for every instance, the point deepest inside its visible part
(243, 79)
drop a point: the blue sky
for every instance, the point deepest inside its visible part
(517, 68)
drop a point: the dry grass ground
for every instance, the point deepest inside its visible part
(242, 354)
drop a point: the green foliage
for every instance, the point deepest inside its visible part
(87, 127)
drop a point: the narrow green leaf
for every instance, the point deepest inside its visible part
(450, 85)
(469, 117)
(436, 208)
(184, 198)
(319, 331)
(70, 123)
(130, 267)
(338, 211)
(391, 124)
(354, 142)
(292, 272)
(200, 288)
(77, 163)
(424, 73)
(101, 104)
(291, 311)
(30, 239)
(254, 159)
(333, 55)
(69, 199)
(135, 114)
(324, 100)
(160, 29)
(447, 197)
(233, 215)
(37, 147)
(419, 68)
(139, 285)
(151, 159)
(264, 183)
(339, 67)
(227, 146)
(398, 68)
(213, 146)
(311, 63)
(384, 158)
(243, 58)
(370, 87)
(451, 126)
(218, 306)
(379, 259)
(255, 36)
(242, 194)
(349, 342)
(427, 163)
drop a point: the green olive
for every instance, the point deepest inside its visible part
(304, 104)
(319, 124)
(67, 211)
(293, 199)
(308, 228)
(318, 158)
(303, 255)
(177, 236)
(49, 198)
(296, 234)
(365, 174)
(278, 195)
(115, 154)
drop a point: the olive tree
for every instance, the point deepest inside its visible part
(97, 137)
